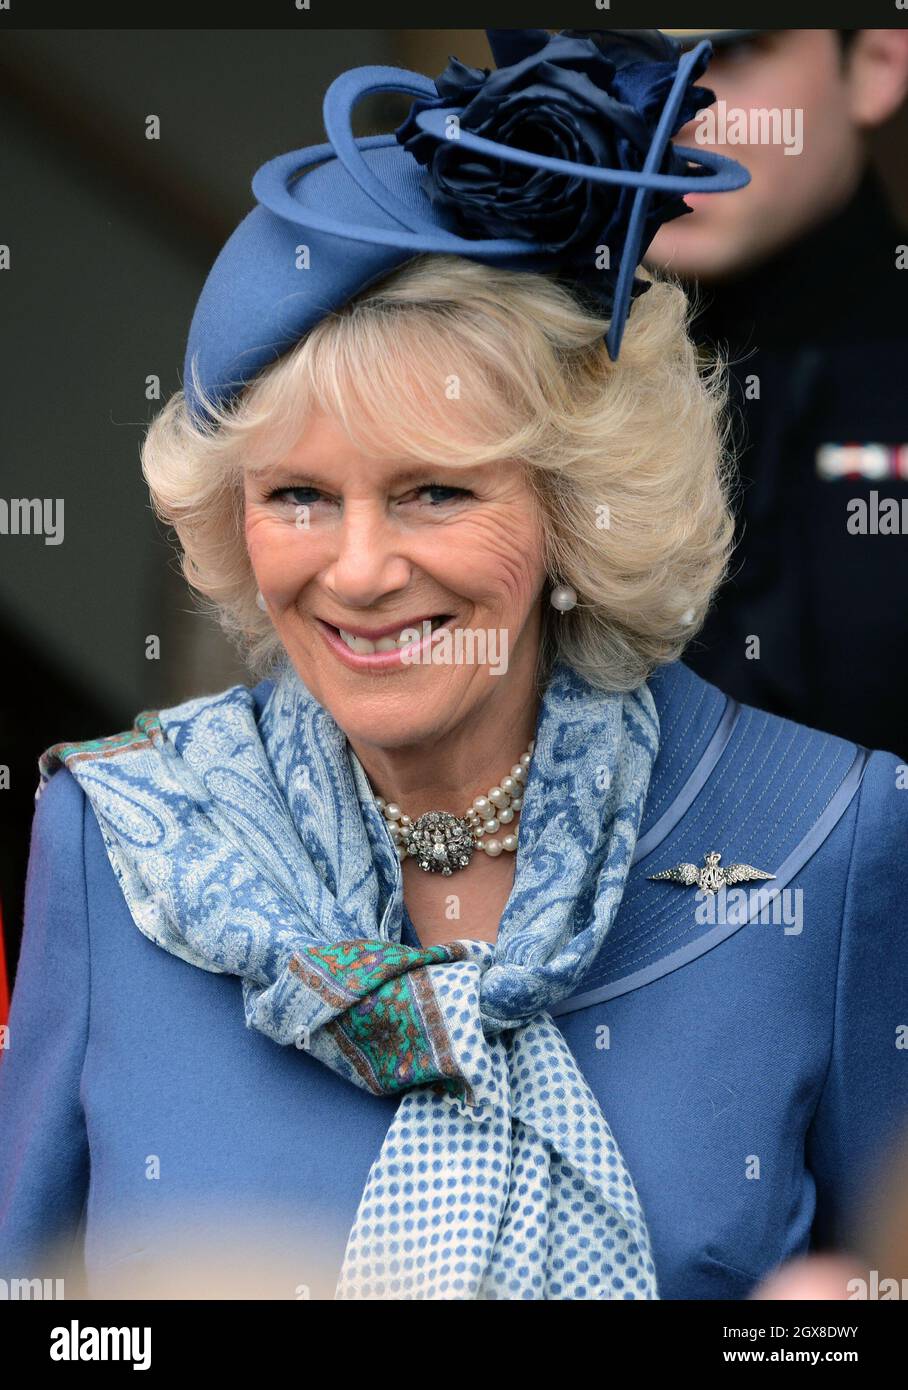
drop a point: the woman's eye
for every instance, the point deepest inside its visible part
(305, 496)
(296, 495)
(453, 493)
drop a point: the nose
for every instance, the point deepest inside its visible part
(368, 560)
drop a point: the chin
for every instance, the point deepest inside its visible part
(697, 253)
(391, 719)
(391, 709)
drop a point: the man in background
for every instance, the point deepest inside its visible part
(803, 276)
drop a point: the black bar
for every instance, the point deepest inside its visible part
(479, 14)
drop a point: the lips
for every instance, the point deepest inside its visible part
(360, 652)
(373, 634)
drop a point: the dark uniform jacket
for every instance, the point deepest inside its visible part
(823, 327)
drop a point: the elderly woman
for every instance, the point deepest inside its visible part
(421, 969)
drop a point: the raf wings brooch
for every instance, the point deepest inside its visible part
(711, 877)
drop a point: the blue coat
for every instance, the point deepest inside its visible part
(750, 1070)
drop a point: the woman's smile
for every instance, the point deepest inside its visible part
(392, 648)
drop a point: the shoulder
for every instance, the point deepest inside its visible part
(147, 727)
(678, 690)
(56, 917)
(58, 823)
(60, 802)
(59, 851)
(880, 841)
(696, 716)
(781, 775)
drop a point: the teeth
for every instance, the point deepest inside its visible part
(404, 638)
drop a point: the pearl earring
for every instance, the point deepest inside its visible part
(260, 601)
(563, 597)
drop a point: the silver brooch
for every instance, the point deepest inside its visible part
(441, 842)
(711, 877)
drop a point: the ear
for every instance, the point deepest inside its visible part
(876, 74)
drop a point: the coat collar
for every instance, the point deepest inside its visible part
(759, 789)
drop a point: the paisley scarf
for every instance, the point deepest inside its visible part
(253, 846)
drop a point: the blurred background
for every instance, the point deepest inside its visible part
(111, 236)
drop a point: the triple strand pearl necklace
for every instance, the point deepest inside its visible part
(441, 842)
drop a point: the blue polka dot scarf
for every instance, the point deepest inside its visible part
(253, 846)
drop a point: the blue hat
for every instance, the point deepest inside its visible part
(558, 160)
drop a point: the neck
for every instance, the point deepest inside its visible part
(787, 298)
(448, 770)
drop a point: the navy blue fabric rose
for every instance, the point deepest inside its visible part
(593, 97)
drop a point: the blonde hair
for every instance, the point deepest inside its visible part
(449, 360)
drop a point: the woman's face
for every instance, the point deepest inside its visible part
(340, 540)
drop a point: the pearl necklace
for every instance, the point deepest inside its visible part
(441, 842)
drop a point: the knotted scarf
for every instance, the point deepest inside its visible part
(251, 844)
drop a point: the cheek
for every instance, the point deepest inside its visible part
(827, 135)
(283, 558)
(498, 557)
(515, 578)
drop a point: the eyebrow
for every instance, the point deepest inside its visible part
(404, 475)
